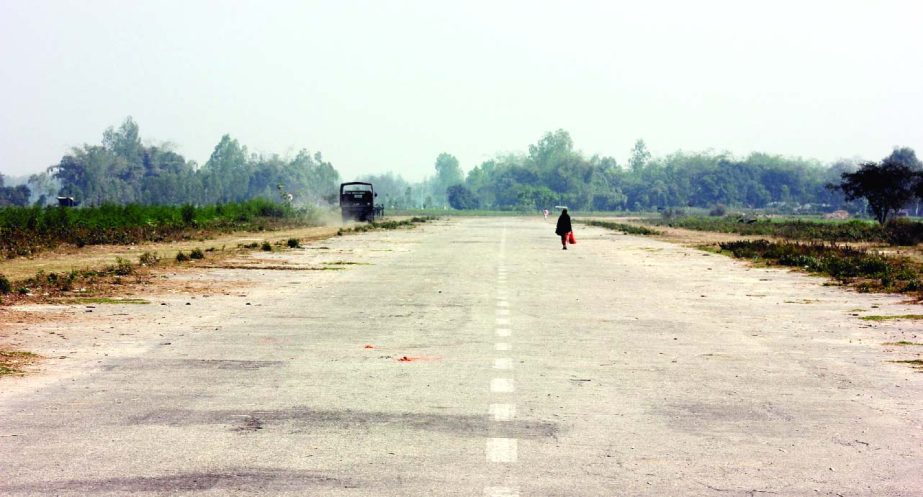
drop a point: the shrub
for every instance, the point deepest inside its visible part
(719, 210)
(148, 259)
(181, 257)
(672, 213)
(196, 253)
(294, 243)
(5, 285)
(122, 267)
(187, 213)
(266, 247)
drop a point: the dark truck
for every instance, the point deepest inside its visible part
(357, 201)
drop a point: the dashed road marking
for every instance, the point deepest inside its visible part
(502, 412)
(502, 385)
(503, 312)
(501, 346)
(503, 363)
(503, 321)
(501, 450)
(503, 332)
(502, 303)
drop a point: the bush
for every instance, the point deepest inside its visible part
(196, 253)
(294, 243)
(187, 213)
(181, 257)
(122, 267)
(5, 285)
(148, 259)
(719, 210)
(672, 213)
(266, 247)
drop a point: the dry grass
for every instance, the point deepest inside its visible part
(68, 258)
(12, 362)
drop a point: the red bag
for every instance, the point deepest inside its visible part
(570, 238)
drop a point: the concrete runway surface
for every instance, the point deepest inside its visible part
(474, 357)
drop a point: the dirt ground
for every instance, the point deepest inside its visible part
(68, 258)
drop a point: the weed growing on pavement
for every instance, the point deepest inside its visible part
(914, 363)
(105, 300)
(12, 361)
(385, 225)
(901, 317)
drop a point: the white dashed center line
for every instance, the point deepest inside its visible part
(502, 412)
(503, 363)
(501, 450)
(502, 385)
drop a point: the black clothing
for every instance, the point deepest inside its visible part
(564, 226)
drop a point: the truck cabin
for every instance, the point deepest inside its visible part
(357, 201)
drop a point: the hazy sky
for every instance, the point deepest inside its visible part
(388, 85)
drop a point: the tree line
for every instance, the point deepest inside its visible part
(122, 170)
(553, 172)
(550, 172)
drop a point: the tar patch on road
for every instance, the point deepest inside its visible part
(262, 480)
(306, 418)
(173, 364)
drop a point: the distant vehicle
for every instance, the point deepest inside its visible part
(357, 201)
(67, 202)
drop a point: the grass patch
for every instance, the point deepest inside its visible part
(902, 343)
(892, 318)
(105, 300)
(898, 232)
(914, 363)
(629, 229)
(12, 361)
(385, 225)
(865, 271)
(25, 231)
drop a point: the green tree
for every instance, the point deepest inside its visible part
(887, 187)
(460, 197)
(448, 173)
(639, 157)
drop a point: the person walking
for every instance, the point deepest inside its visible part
(564, 228)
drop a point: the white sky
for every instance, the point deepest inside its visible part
(388, 85)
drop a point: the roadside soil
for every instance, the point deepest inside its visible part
(69, 257)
